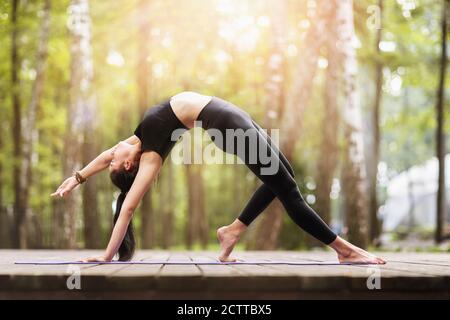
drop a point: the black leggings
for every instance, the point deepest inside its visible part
(218, 116)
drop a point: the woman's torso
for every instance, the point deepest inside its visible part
(164, 123)
(187, 105)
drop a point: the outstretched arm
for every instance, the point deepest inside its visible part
(100, 163)
(103, 159)
(149, 166)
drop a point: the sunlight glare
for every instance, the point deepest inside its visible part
(115, 58)
(395, 85)
(222, 57)
(292, 50)
(322, 63)
(263, 21)
(241, 25)
(311, 199)
(159, 69)
(335, 189)
(387, 46)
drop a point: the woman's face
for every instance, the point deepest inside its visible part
(121, 154)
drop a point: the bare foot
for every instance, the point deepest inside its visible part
(349, 253)
(227, 240)
(358, 255)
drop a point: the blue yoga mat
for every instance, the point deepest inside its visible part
(250, 262)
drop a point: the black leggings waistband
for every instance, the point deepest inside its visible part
(217, 109)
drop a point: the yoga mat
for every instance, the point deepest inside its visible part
(250, 262)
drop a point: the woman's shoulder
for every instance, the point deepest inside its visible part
(155, 108)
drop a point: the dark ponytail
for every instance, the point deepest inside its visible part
(126, 249)
(123, 179)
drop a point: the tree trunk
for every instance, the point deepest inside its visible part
(441, 211)
(269, 226)
(372, 171)
(411, 202)
(238, 187)
(167, 195)
(190, 223)
(142, 72)
(328, 153)
(290, 118)
(4, 221)
(147, 228)
(354, 172)
(91, 215)
(80, 112)
(57, 206)
(301, 89)
(18, 232)
(90, 147)
(29, 133)
(196, 224)
(408, 148)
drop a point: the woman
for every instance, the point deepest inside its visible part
(135, 162)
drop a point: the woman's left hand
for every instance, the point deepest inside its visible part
(66, 187)
(96, 259)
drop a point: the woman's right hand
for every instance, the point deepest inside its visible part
(68, 185)
(96, 259)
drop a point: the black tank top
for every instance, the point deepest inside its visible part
(156, 128)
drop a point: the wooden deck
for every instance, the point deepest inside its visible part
(407, 275)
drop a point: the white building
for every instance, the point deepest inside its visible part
(411, 197)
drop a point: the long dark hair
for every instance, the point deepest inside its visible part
(124, 179)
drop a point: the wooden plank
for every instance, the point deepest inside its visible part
(34, 277)
(394, 275)
(406, 268)
(411, 257)
(256, 277)
(417, 269)
(141, 277)
(52, 276)
(11, 256)
(219, 277)
(442, 259)
(7, 265)
(321, 277)
(170, 269)
(109, 269)
(420, 273)
(213, 270)
(134, 270)
(179, 277)
(126, 276)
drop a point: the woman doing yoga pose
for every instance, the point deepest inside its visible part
(135, 163)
